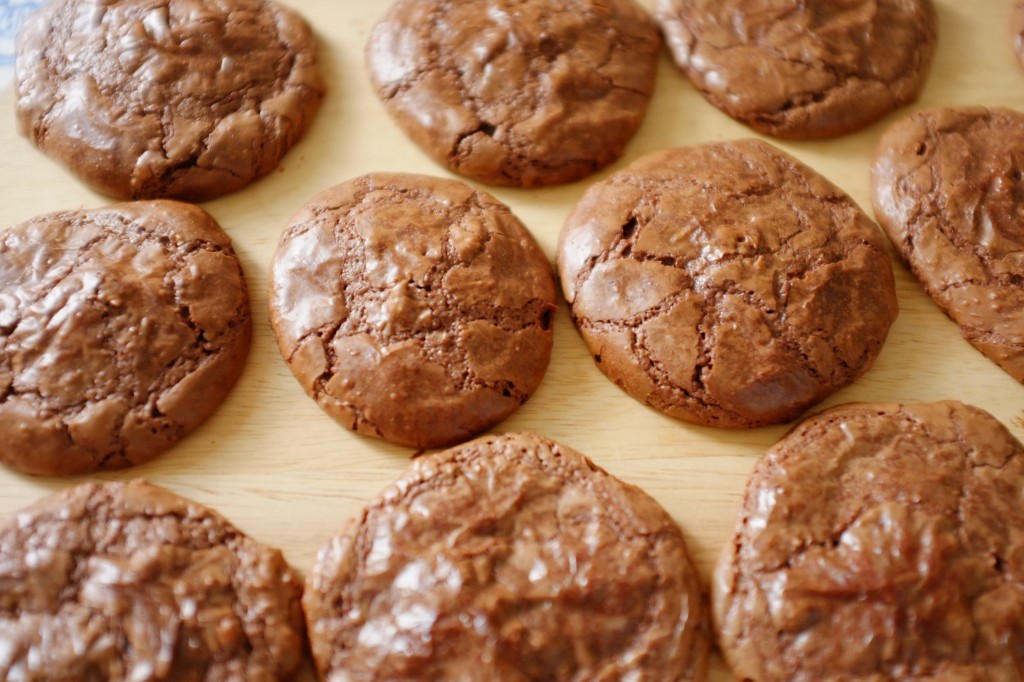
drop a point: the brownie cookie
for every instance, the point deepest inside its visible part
(121, 329)
(803, 69)
(412, 308)
(948, 187)
(508, 558)
(726, 284)
(166, 98)
(516, 92)
(879, 542)
(127, 581)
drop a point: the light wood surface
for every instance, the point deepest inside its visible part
(284, 472)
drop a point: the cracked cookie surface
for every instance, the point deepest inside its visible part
(726, 284)
(512, 92)
(802, 69)
(508, 558)
(948, 188)
(878, 542)
(182, 99)
(127, 581)
(411, 308)
(121, 330)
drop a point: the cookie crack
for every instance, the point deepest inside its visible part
(44, 289)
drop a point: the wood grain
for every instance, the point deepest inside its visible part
(280, 469)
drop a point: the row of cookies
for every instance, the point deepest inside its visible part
(873, 540)
(178, 100)
(725, 284)
(411, 308)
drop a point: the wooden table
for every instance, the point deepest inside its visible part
(284, 472)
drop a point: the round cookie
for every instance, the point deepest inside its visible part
(121, 330)
(948, 187)
(127, 581)
(179, 99)
(878, 542)
(797, 69)
(523, 93)
(726, 284)
(508, 558)
(411, 308)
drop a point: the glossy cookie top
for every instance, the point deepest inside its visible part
(726, 284)
(121, 330)
(512, 92)
(948, 187)
(803, 68)
(508, 558)
(127, 581)
(170, 99)
(878, 541)
(411, 308)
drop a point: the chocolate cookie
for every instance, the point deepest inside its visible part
(802, 69)
(127, 581)
(878, 542)
(412, 308)
(948, 187)
(726, 284)
(516, 92)
(508, 558)
(166, 98)
(121, 329)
